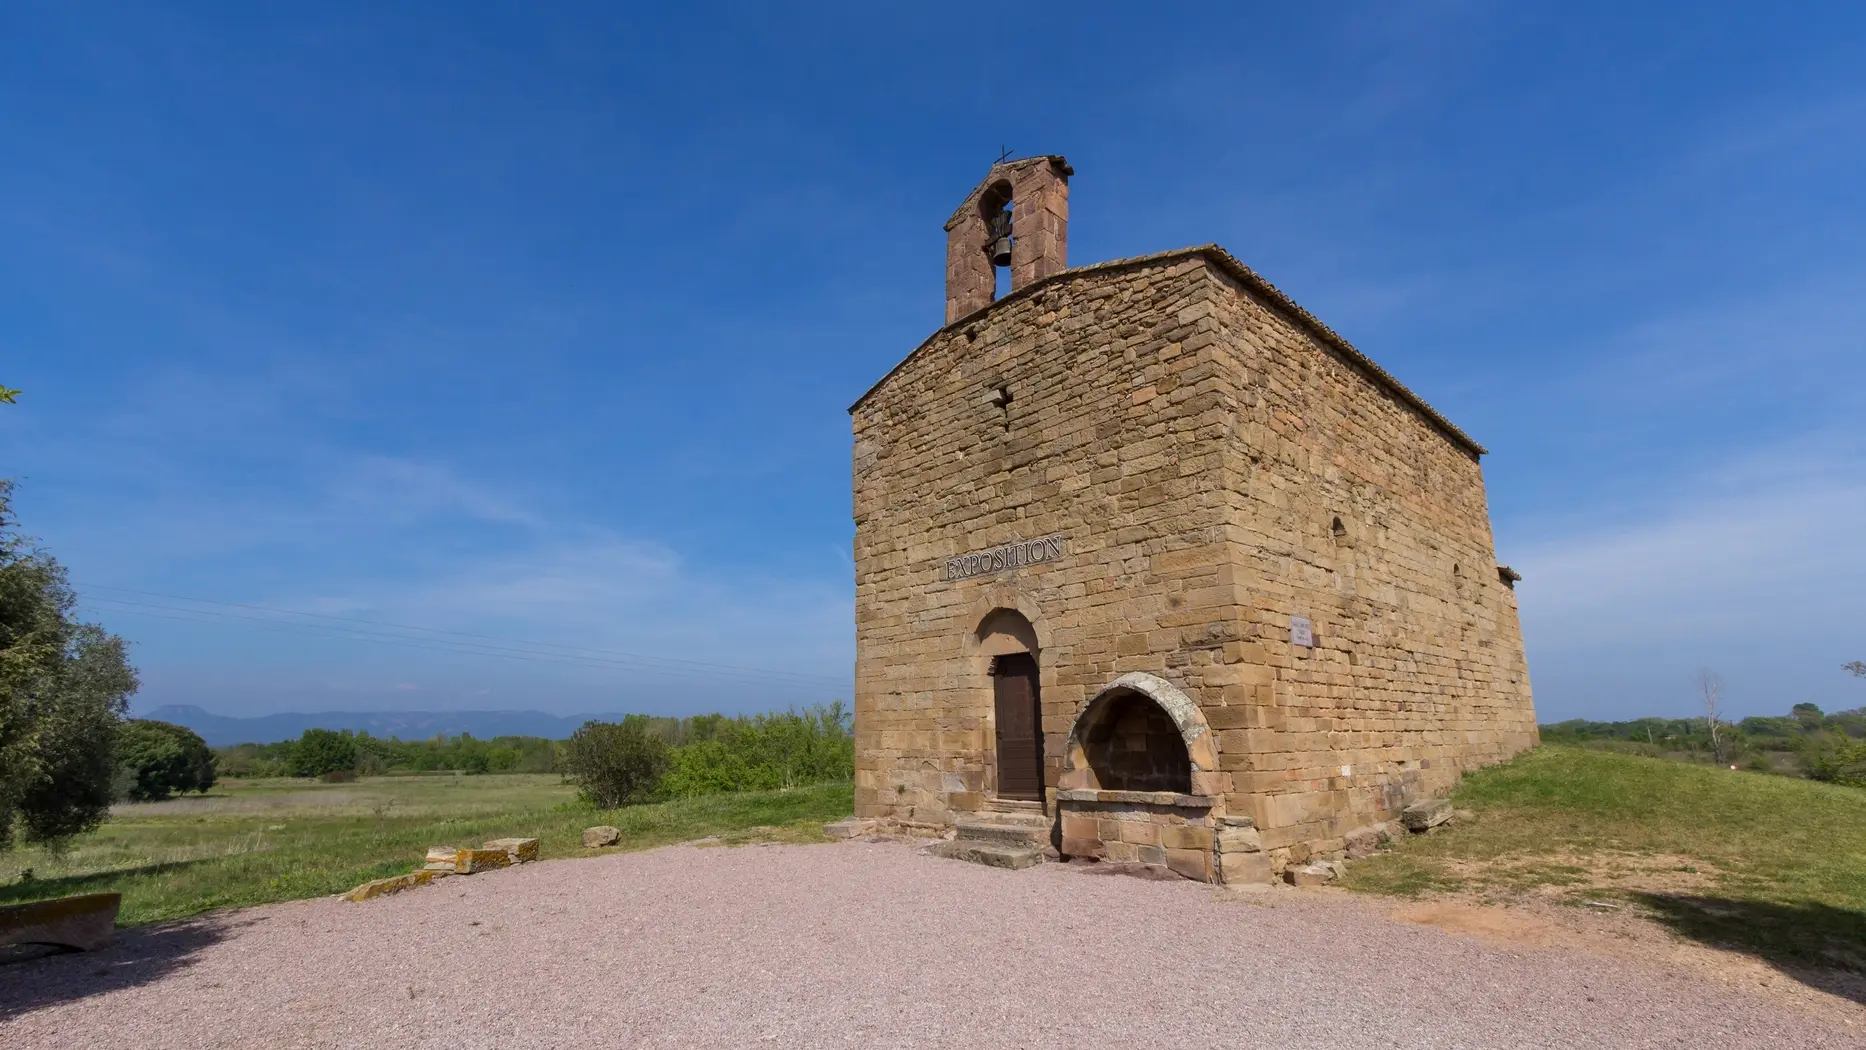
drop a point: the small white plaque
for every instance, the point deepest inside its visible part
(1300, 631)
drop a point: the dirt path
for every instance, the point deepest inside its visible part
(871, 945)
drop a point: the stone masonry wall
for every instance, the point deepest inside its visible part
(1195, 447)
(1354, 510)
(1134, 480)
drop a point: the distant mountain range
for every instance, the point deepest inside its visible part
(223, 730)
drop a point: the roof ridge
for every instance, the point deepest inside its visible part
(1253, 281)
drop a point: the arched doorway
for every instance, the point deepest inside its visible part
(1008, 639)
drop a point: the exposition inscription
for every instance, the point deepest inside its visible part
(1009, 556)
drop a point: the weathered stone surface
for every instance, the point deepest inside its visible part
(988, 853)
(1239, 840)
(1153, 798)
(1362, 843)
(1194, 864)
(601, 835)
(441, 858)
(518, 850)
(392, 884)
(471, 861)
(1423, 816)
(1007, 833)
(1245, 869)
(83, 922)
(1309, 875)
(850, 828)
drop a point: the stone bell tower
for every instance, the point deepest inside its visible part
(1017, 217)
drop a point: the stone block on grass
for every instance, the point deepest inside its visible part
(393, 884)
(1424, 816)
(600, 836)
(473, 861)
(1309, 875)
(1362, 843)
(441, 858)
(519, 851)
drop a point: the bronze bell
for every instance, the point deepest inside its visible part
(999, 247)
(1000, 251)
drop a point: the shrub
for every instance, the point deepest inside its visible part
(254, 760)
(158, 759)
(1836, 758)
(321, 751)
(615, 764)
(763, 752)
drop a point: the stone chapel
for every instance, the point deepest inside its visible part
(1154, 566)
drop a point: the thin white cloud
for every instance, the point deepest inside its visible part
(1754, 571)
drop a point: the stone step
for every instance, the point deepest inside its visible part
(992, 854)
(1005, 833)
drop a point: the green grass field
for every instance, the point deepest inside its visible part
(258, 841)
(1764, 863)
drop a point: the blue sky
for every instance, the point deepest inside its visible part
(541, 323)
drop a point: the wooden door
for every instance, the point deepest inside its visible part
(1020, 727)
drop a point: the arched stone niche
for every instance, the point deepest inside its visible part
(1139, 728)
(1140, 781)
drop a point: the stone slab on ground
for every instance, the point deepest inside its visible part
(471, 861)
(84, 922)
(393, 884)
(1005, 832)
(519, 850)
(1310, 875)
(990, 854)
(1245, 869)
(1362, 843)
(441, 858)
(601, 835)
(1424, 816)
(848, 829)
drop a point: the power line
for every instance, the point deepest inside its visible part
(670, 661)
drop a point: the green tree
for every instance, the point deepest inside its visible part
(321, 751)
(615, 764)
(64, 686)
(158, 759)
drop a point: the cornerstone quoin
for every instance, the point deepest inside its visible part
(1152, 563)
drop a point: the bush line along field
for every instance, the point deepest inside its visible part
(704, 753)
(1807, 742)
(259, 841)
(1768, 864)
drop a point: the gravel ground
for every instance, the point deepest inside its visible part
(859, 945)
